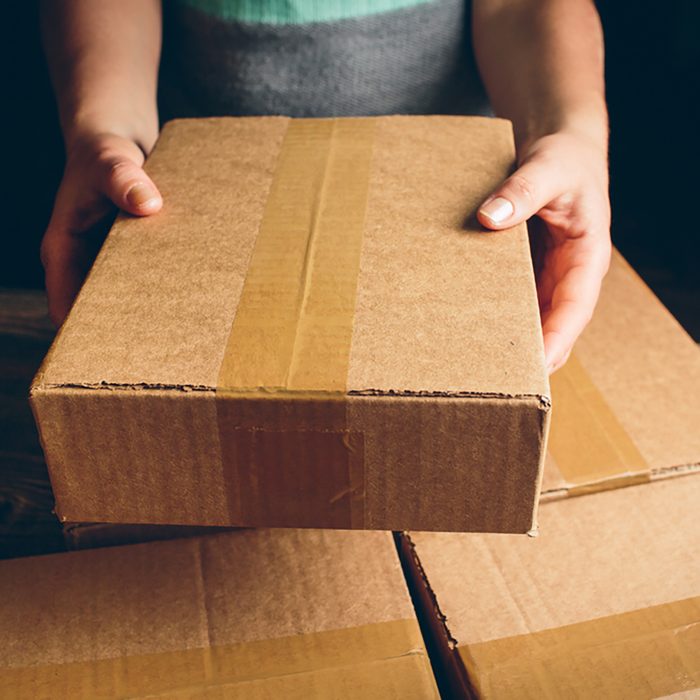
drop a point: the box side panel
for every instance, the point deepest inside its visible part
(454, 465)
(133, 456)
(161, 457)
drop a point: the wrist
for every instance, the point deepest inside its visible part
(587, 122)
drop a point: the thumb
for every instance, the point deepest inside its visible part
(534, 185)
(128, 186)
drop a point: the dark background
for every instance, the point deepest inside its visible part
(653, 62)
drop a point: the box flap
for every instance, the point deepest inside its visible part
(604, 603)
(626, 407)
(435, 296)
(251, 612)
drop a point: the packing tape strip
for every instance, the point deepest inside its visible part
(289, 345)
(303, 661)
(639, 654)
(587, 443)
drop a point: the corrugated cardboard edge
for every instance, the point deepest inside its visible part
(450, 672)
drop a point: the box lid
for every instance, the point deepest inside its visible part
(250, 614)
(604, 603)
(357, 235)
(626, 407)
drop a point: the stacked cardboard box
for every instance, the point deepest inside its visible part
(242, 615)
(605, 602)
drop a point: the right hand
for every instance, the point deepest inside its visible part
(103, 172)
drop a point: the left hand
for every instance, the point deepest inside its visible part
(563, 180)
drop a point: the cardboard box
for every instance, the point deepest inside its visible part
(314, 332)
(605, 603)
(626, 406)
(250, 614)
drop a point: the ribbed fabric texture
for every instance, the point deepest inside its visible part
(297, 11)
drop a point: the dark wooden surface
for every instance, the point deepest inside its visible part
(27, 523)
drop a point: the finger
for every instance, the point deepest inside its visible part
(573, 300)
(64, 271)
(128, 186)
(67, 252)
(522, 195)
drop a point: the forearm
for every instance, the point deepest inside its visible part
(103, 58)
(542, 65)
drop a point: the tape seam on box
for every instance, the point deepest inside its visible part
(288, 350)
(205, 668)
(587, 442)
(624, 656)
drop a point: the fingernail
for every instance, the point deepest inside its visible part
(498, 210)
(141, 196)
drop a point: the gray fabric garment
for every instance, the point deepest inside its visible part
(410, 61)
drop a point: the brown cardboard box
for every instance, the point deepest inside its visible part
(604, 604)
(250, 615)
(626, 407)
(314, 332)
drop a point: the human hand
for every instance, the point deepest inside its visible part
(103, 172)
(563, 180)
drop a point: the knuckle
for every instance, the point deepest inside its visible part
(522, 187)
(117, 168)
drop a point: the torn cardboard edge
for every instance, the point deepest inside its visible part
(39, 386)
(450, 672)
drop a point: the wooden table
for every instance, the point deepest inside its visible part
(27, 523)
